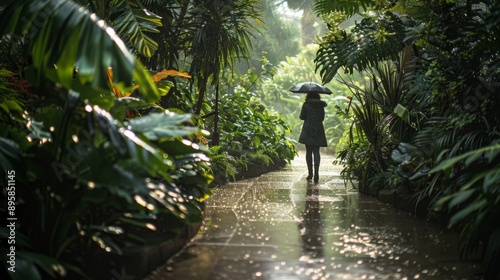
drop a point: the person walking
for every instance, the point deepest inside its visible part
(313, 132)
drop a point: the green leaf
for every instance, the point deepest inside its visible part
(25, 270)
(402, 112)
(491, 154)
(10, 106)
(135, 103)
(491, 180)
(467, 211)
(134, 22)
(156, 126)
(446, 164)
(145, 154)
(472, 158)
(378, 36)
(47, 263)
(175, 148)
(460, 197)
(10, 156)
(349, 7)
(399, 157)
(134, 222)
(72, 37)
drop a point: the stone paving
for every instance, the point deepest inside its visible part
(280, 227)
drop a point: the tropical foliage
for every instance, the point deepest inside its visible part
(425, 120)
(251, 134)
(98, 161)
(379, 120)
(87, 183)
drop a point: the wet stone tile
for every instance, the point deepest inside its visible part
(272, 185)
(282, 179)
(267, 233)
(218, 226)
(194, 262)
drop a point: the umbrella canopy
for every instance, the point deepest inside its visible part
(307, 87)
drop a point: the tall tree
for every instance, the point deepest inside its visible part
(175, 35)
(223, 36)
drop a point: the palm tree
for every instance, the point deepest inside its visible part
(174, 38)
(131, 20)
(223, 36)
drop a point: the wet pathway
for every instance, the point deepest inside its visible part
(278, 226)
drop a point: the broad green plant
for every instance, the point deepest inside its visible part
(87, 180)
(475, 206)
(90, 181)
(251, 133)
(375, 120)
(60, 32)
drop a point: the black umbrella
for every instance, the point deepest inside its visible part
(307, 87)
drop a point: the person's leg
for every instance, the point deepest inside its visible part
(317, 160)
(309, 162)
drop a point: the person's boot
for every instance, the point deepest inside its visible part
(310, 172)
(316, 173)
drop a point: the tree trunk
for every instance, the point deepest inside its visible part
(201, 95)
(215, 134)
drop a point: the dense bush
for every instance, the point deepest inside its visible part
(87, 183)
(250, 133)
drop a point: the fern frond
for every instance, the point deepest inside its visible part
(349, 7)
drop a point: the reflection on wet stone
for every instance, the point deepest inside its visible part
(310, 227)
(278, 226)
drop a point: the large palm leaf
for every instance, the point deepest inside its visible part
(175, 33)
(133, 22)
(63, 36)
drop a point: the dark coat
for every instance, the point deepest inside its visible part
(313, 114)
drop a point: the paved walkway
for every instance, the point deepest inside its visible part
(279, 227)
